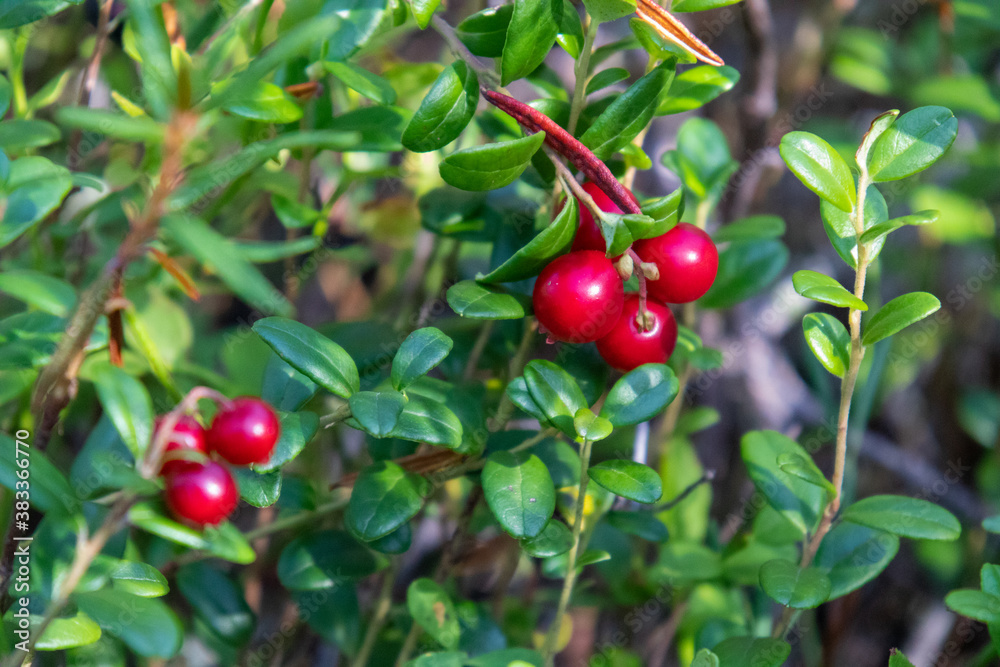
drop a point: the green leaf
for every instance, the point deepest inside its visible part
(640, 524)
(67, 632)
(605, 78)
(829, 341)
(695, 87)
(312, 354)
(423, 11)
(898, 314)
(426, 421)
(396, 542)
(293, 214)
(700, 5)
(640, 395)
(491, 166)
(263, 252)
(19, 134)
(628, 479)
(531, 258)
(800, 502)
(617, 236)
(34, 188)
(992, 524)
(603, 11)
(705, 658)
(823, 288)
(876, 232)
(752, 652)
(385, 496)
(39, 290)
(376, 412)
(227, 542)
(667, 212)
(975, 604)
(570, 35)
(793, 587)
(139, 579)
(805, 469)
(15, 13)
(321, 560)
(258, 489)
(218, 252)
(754, 228)
(284, 387)
(555, 539)
(483, 302)
(906, 517)
(147, 518)
(112, 124)
(362, 81)
(127, 403)
(297, 429)
(687, 561)
(217, 601)
(419, 353)
(702, 159)
(147, 626)
(852, 555)
(485, 32)
(631, 111)
(261, 101)
(897, 659)
(840, 228)
(878, 126)
(556, 393)
(591, 427)
(519, 492)
(531, 33)
(508, 657)
(445, 111)
(914, 142)
(433, 610)
(820, 168)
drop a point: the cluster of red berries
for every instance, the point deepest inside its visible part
(200, 490)
(579, 297)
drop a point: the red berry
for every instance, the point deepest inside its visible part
(187, 436)
(629, 345)
(244, 432)
(578, 297)
(589, 236)
(687, 260)
(202, 494)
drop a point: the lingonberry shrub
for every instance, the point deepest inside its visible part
(273, 213)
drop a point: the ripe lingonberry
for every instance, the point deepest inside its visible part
(578, 297)
(687, 260)
(633, 342)
(188, 436)
(244, 432)
(202, 494)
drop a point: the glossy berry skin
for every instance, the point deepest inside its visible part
(203, 494)
(578, 297)
(687, 260)
(629, 346)
(588, 235)
(244, 432)
(187, 436)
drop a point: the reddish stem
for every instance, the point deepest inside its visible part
(568, 146)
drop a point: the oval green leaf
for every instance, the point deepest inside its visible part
(419, 353)
(898, 314)
(752, 652)
(321, 560)
(906, 517)
(852, 555)
(433, 610)
(312, 354)
(485, 32)
(491, 166)
(820, 168)
(556, 393)
(376, 412)
(147, 626)
(217, 601)
(483, 302)
(445, 111)
(532, 257)
(628, 479)
(385, 496)
(631, 111)
(640, 395)
(799, 501)
(914, 142)
(531, 33)
(784, 582)
(823, 288)
(555, 539)
(424, 420)
(696, 87)
(829, 341)
(519, 492)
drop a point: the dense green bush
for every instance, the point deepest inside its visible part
(342, 206)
